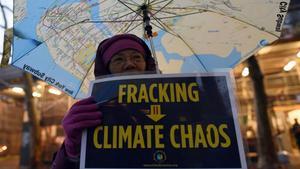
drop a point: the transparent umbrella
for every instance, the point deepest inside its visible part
(56, 40)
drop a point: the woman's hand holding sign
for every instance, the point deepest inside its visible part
(83, 114)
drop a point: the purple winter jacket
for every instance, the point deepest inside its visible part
(61, 161)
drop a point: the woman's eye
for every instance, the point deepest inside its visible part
(138, 57)
(117, 60)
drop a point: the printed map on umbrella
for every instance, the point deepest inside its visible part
(56, 40)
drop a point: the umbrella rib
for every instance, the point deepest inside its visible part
(259, 28)
(84, 78)
(160, 27)
(123, 16)
(70, 18)
(163, 7)
(129, 7)
(132, 11)
(126, 28)
(155, 2)
(187, 7)
(90, 21)
(105, 21)
(134, 27)
(101, 21)
(206, 10)
(120, 16)
(163, 26)
(168, 12)
(179, 15)
(136, 4)
(178, 36)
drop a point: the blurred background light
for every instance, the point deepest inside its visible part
(298, 54)
(54, 91)
(18, 90)
(3, 148)
(289, 66)
(36, 94)
(245, 72)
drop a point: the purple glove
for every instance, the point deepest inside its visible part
(83, 114)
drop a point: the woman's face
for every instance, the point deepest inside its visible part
(127, 61)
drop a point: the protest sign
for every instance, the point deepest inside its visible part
(158, 121)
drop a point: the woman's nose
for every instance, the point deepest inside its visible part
(129, 64)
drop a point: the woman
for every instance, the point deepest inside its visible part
(125, 53)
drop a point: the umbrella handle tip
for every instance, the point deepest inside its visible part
(154, 34)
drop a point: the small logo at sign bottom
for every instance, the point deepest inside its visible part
(159, 156)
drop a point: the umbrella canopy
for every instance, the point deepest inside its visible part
(56, 40)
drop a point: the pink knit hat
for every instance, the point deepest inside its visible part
(118, 46)
(111, 46)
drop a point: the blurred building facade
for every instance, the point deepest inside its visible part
(11, 113)
(279, 64)
(50, 103)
